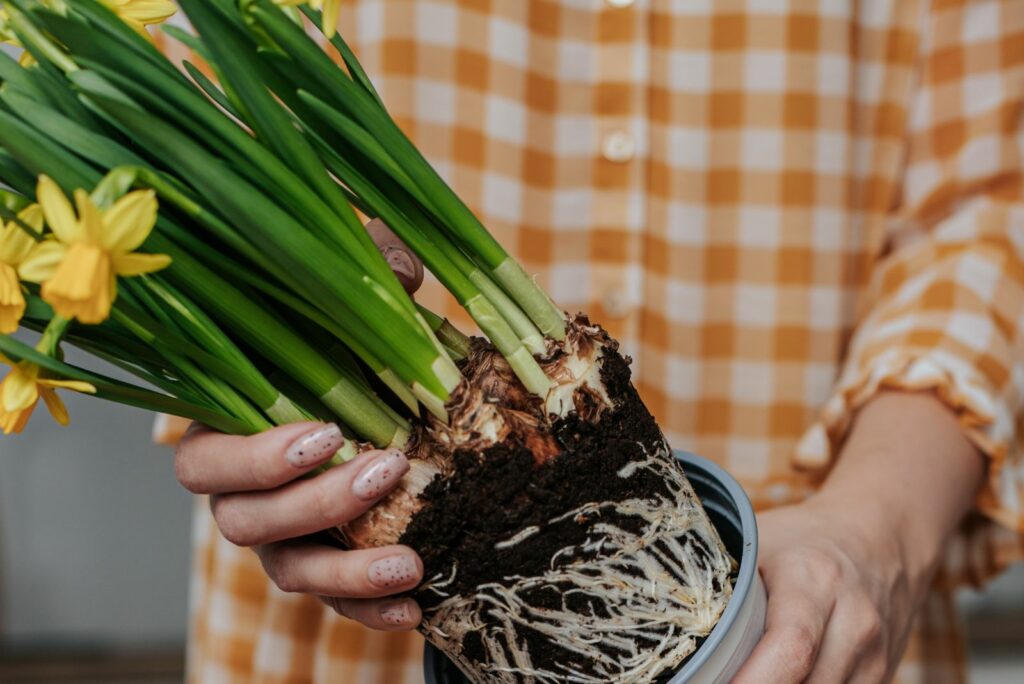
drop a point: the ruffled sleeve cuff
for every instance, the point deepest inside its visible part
(986, 418)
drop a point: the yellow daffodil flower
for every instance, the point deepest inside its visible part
(79, 269)
(330, 8)
(16, 250)
(21, 390)
(142, 13)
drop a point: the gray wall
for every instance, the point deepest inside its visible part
(94, 530)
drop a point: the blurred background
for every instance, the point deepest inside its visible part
(94, 559)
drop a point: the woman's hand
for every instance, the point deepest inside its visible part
(841, 595)
(847, 569)
(259, 500)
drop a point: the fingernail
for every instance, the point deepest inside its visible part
(398, 613)
(394, 571)
(381, 475)
(400, 262)
(316, 446)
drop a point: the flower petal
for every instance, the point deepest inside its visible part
(41, 263)
(15, 242)
(56, 406)
(332, 9)
(127, 224)
(136, 264)
(146, 11)
(13, 422)
(76, 385)
(58, 212)
(89, 217)
(12, 301)
(83, 287)
(32, 216)
(19, 390)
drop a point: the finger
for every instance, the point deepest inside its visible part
(403, 261)
(208, 462)
(303, 507)
(794, 627)
(853, 631)
(390, 615)
(872, 669)
(309, 568)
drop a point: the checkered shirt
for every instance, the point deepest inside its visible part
(779, 207)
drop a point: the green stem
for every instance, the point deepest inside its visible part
(124, 393)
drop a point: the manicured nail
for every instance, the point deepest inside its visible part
(381, 475)
(394, 571)
(400, 262)
(397, 613)
(316, 446)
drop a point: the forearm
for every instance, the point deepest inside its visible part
(908, 465)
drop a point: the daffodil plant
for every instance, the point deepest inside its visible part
(218, 228)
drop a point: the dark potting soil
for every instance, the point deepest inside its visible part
(493, 495)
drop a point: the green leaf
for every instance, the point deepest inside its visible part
(354, 67)
(79, 140)
(14, 174)
(212, 90)
(122, 392)
(38, 154)
(330, 279)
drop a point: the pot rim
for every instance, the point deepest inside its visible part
(746, 579)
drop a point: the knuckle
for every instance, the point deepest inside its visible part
(869, 622)
(286, 579)
(338, 606)
(260, 471)
(231, 522)
(185, 471)
(801, 648)
(279, 572)
(342, 580)
(328, 505)
(822, 566)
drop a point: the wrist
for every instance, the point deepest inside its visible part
(907, 470)
(880, 530)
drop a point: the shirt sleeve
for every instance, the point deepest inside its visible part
(944, 309)
(168, 430)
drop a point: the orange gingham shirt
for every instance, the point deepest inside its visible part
(778, 206)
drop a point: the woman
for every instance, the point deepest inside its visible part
(804, 221)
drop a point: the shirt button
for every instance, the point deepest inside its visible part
(620, 3)
(615, 304)
(618, 147)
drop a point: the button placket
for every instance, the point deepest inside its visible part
(621, 77)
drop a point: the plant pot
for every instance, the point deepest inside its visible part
(742, 623)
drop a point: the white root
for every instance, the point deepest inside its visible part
(640, 598)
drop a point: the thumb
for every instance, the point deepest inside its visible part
(402, 260)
